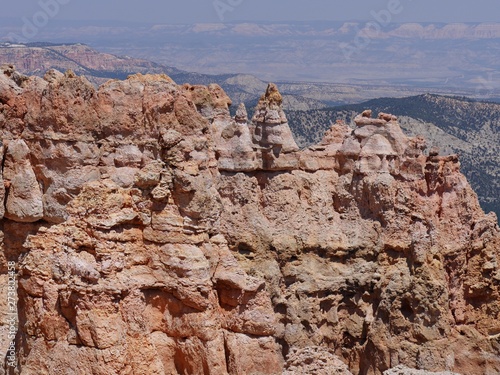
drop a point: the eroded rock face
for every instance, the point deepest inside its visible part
(127, 272)
(161, 236)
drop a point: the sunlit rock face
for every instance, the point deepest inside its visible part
(155, 234)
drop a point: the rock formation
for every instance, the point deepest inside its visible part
(271, 126)
(314, 360)
(155, 234)
(403, 370)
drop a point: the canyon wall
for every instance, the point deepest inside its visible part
(155, 234)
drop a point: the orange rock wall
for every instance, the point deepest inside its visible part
(154, 234)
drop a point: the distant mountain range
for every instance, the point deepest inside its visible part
(37, 58)
(459, 59)
(98, 67)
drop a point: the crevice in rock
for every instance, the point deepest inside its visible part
(227, 354)
(285, 347)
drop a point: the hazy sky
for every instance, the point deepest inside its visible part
(194, 11)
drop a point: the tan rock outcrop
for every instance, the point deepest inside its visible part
(265, 144)
(24, 198)
(235, 150)
(156, 234)
(314, 360)
(271, 126)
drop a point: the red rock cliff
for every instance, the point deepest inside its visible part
(155, 234)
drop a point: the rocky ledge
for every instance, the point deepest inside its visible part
(155, 234)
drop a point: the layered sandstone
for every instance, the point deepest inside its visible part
(155, 234)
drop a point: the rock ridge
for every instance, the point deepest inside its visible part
(154, 233)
